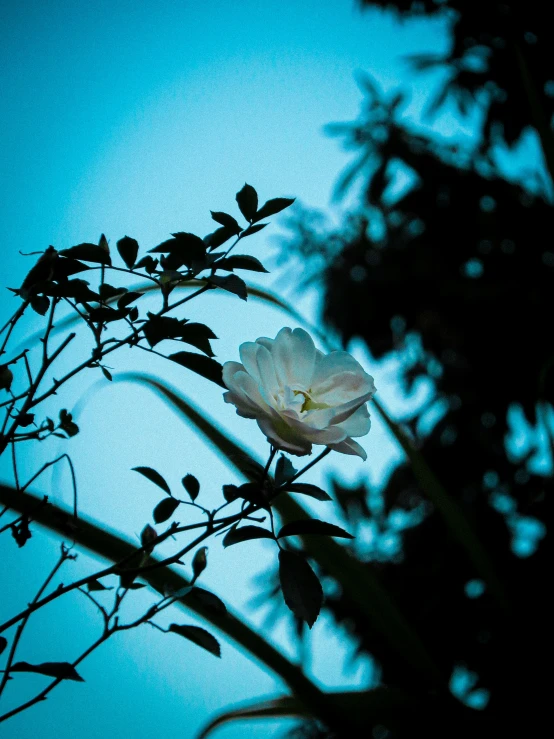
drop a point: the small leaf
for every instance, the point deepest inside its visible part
(251, 492)
(204, 366)
(200, 562)
(107, 374)
(219, 237)
(246, 533)
(107, 292)
(106, 315)
(284, 470)
(165, 509)
(95, 585)
(6, 377)
(148, 263)
(40, 304)
(154, 477)
(230, 493)
(158, 328)
(198, 335)
(3, 643)
(128, 298)
(232, 284)
(253, 230)
(198, 636)
(191, 485)
(136, 585)
(301, 588)
(240, 261)
(59, 670)
(226, 220)
(247, 200)
(306, 489)
(209, 600)
(25, 419)
(313, 526)
(128, 250)
(88, 253)
(276, 205)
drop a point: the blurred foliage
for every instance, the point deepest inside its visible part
(445, 264)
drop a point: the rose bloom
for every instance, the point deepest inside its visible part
(300, 396)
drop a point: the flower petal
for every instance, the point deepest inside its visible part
(349, 446)
(358, 424)
(294, 356)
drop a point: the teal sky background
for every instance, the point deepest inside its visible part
(138, 118)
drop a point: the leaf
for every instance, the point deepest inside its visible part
(251, 492)
(165, 509)
(59, 670)
(154, 477)
(219, 237)
(275, 205)
(158, 328)
(232, 284)
(198, 335)
(88, 253)
(246, 533)
(3, 643)
(191, 485)
(253, 230)
(128, 250)
(306, 489)
(226, 220)
(106, 315)
(284, 470)
(107, 374)
(108, 292)
(199, 562)
(96, 585)
(184, 248)
(198, 636)
(208, 600)
(230, 493)
(148, 263)
(313, 526)
(247, 200)
(40, 304)
(301, 588)
(135, 585)
(204, 366)
(128, 298)
(240, 261)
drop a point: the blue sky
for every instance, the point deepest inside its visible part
(138, 118)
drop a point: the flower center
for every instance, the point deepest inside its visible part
(309, 403)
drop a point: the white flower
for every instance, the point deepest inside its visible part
(300, 396)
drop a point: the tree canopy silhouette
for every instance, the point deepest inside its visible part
(447, 261)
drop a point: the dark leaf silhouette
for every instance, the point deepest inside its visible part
(154, 477)
(191, 485)
(301, 588)
(232, 284)
(313, 526)
(59, 670)
(198, 636)
(276, 205)
(247, 200)
(165, 509)
(204, 366)
(246, 533)
(128, 250)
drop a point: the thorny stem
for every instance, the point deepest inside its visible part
(212, 528)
